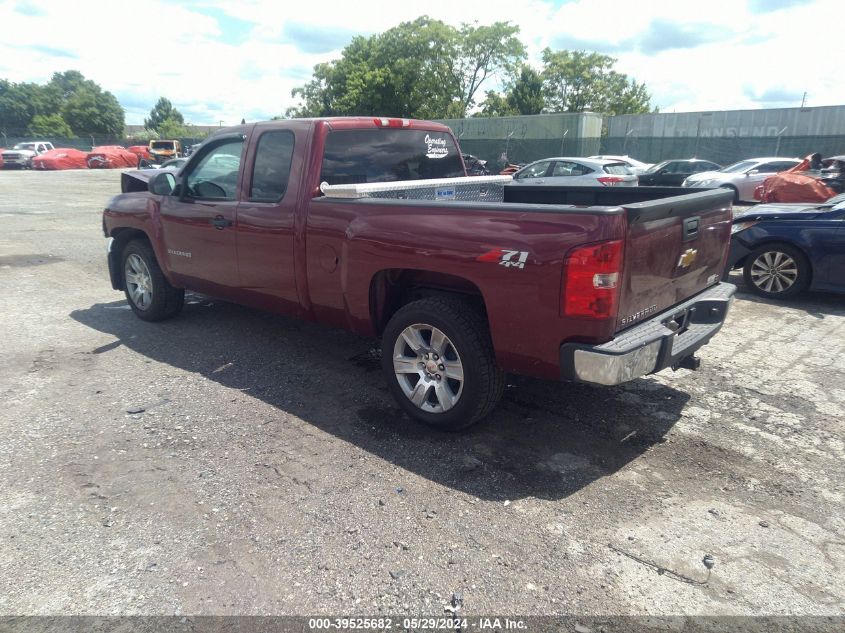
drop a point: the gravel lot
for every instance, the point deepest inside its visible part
(237, 462)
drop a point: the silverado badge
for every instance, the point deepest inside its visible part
(687, 258)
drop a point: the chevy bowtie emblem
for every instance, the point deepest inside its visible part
(687, 258)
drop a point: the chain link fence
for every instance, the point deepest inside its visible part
(721, 150)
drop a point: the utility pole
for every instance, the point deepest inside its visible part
(804, 99)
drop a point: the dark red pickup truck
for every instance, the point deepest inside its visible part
(590, 284)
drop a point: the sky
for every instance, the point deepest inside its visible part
(220, 61)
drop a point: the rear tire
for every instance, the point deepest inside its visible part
(776, 271)
(439, 364)
(147, 290)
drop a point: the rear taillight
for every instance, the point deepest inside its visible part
(383, 122)
(610, 181)
(591, 277)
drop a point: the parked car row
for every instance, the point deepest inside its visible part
(742, 178)
(42, 155)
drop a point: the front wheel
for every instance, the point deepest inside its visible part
(776, 271)
(734, 190)
(148, 292)
(438, 360)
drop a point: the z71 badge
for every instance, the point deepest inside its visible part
(506, 258)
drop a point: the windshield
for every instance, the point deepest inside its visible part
(385, 155)
(25, 146)
(162, 145)
(654, 168)
(739, 167)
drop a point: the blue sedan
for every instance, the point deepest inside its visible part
(786, 248)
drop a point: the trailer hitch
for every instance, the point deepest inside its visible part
(691, 362)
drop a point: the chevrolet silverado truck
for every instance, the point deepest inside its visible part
(21, 155)
(588, 284)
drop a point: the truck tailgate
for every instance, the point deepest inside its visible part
(674, 249)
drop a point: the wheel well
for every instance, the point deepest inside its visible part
(393, 288)
(121, 238)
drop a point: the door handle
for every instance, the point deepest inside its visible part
(220, 222)
(691, 228)
(540, 182)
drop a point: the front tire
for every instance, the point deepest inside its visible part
(735, 191)
(776, 271)
(438, 360)
(147, 290)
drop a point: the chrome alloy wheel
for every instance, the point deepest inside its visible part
(139, 282)
(428, 368)
(774, 271)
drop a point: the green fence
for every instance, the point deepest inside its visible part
(722, 150)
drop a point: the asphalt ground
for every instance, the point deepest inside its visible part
(237, 462)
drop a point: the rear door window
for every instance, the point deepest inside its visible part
(537, 170)
(271, 170)
(386, 155)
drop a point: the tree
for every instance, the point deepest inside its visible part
(419, 69)
(575, 81)
(171, 128)
(19, 103)
(620, 95)
(495, 105)
(161, 112)
(49, 125)
(92, 111)
(403, 72)
(68, 97)
(526, 93)
(481, 52)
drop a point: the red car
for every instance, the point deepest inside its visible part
(371, 224)
(61, 158)
(111, 157)
(141, 151)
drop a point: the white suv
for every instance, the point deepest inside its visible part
(21, 155)
(742, 177)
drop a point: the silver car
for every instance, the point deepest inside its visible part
(742, 177)
(585, 172)
(637, 167)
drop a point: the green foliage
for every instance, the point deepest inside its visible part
(163, 111)
(91, 111)
(19, 103)
(80, 103)
(144, 136)
(49, 125)
(526, 93)
(420, 69)
(482, 52)
(495, 105)
(172, 129)
(577, 81)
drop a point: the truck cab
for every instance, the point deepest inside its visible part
(164, 150)
(21, 155)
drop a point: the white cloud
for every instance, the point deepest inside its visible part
(722, 55)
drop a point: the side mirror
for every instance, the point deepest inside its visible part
(162, 183)
(752, 172)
